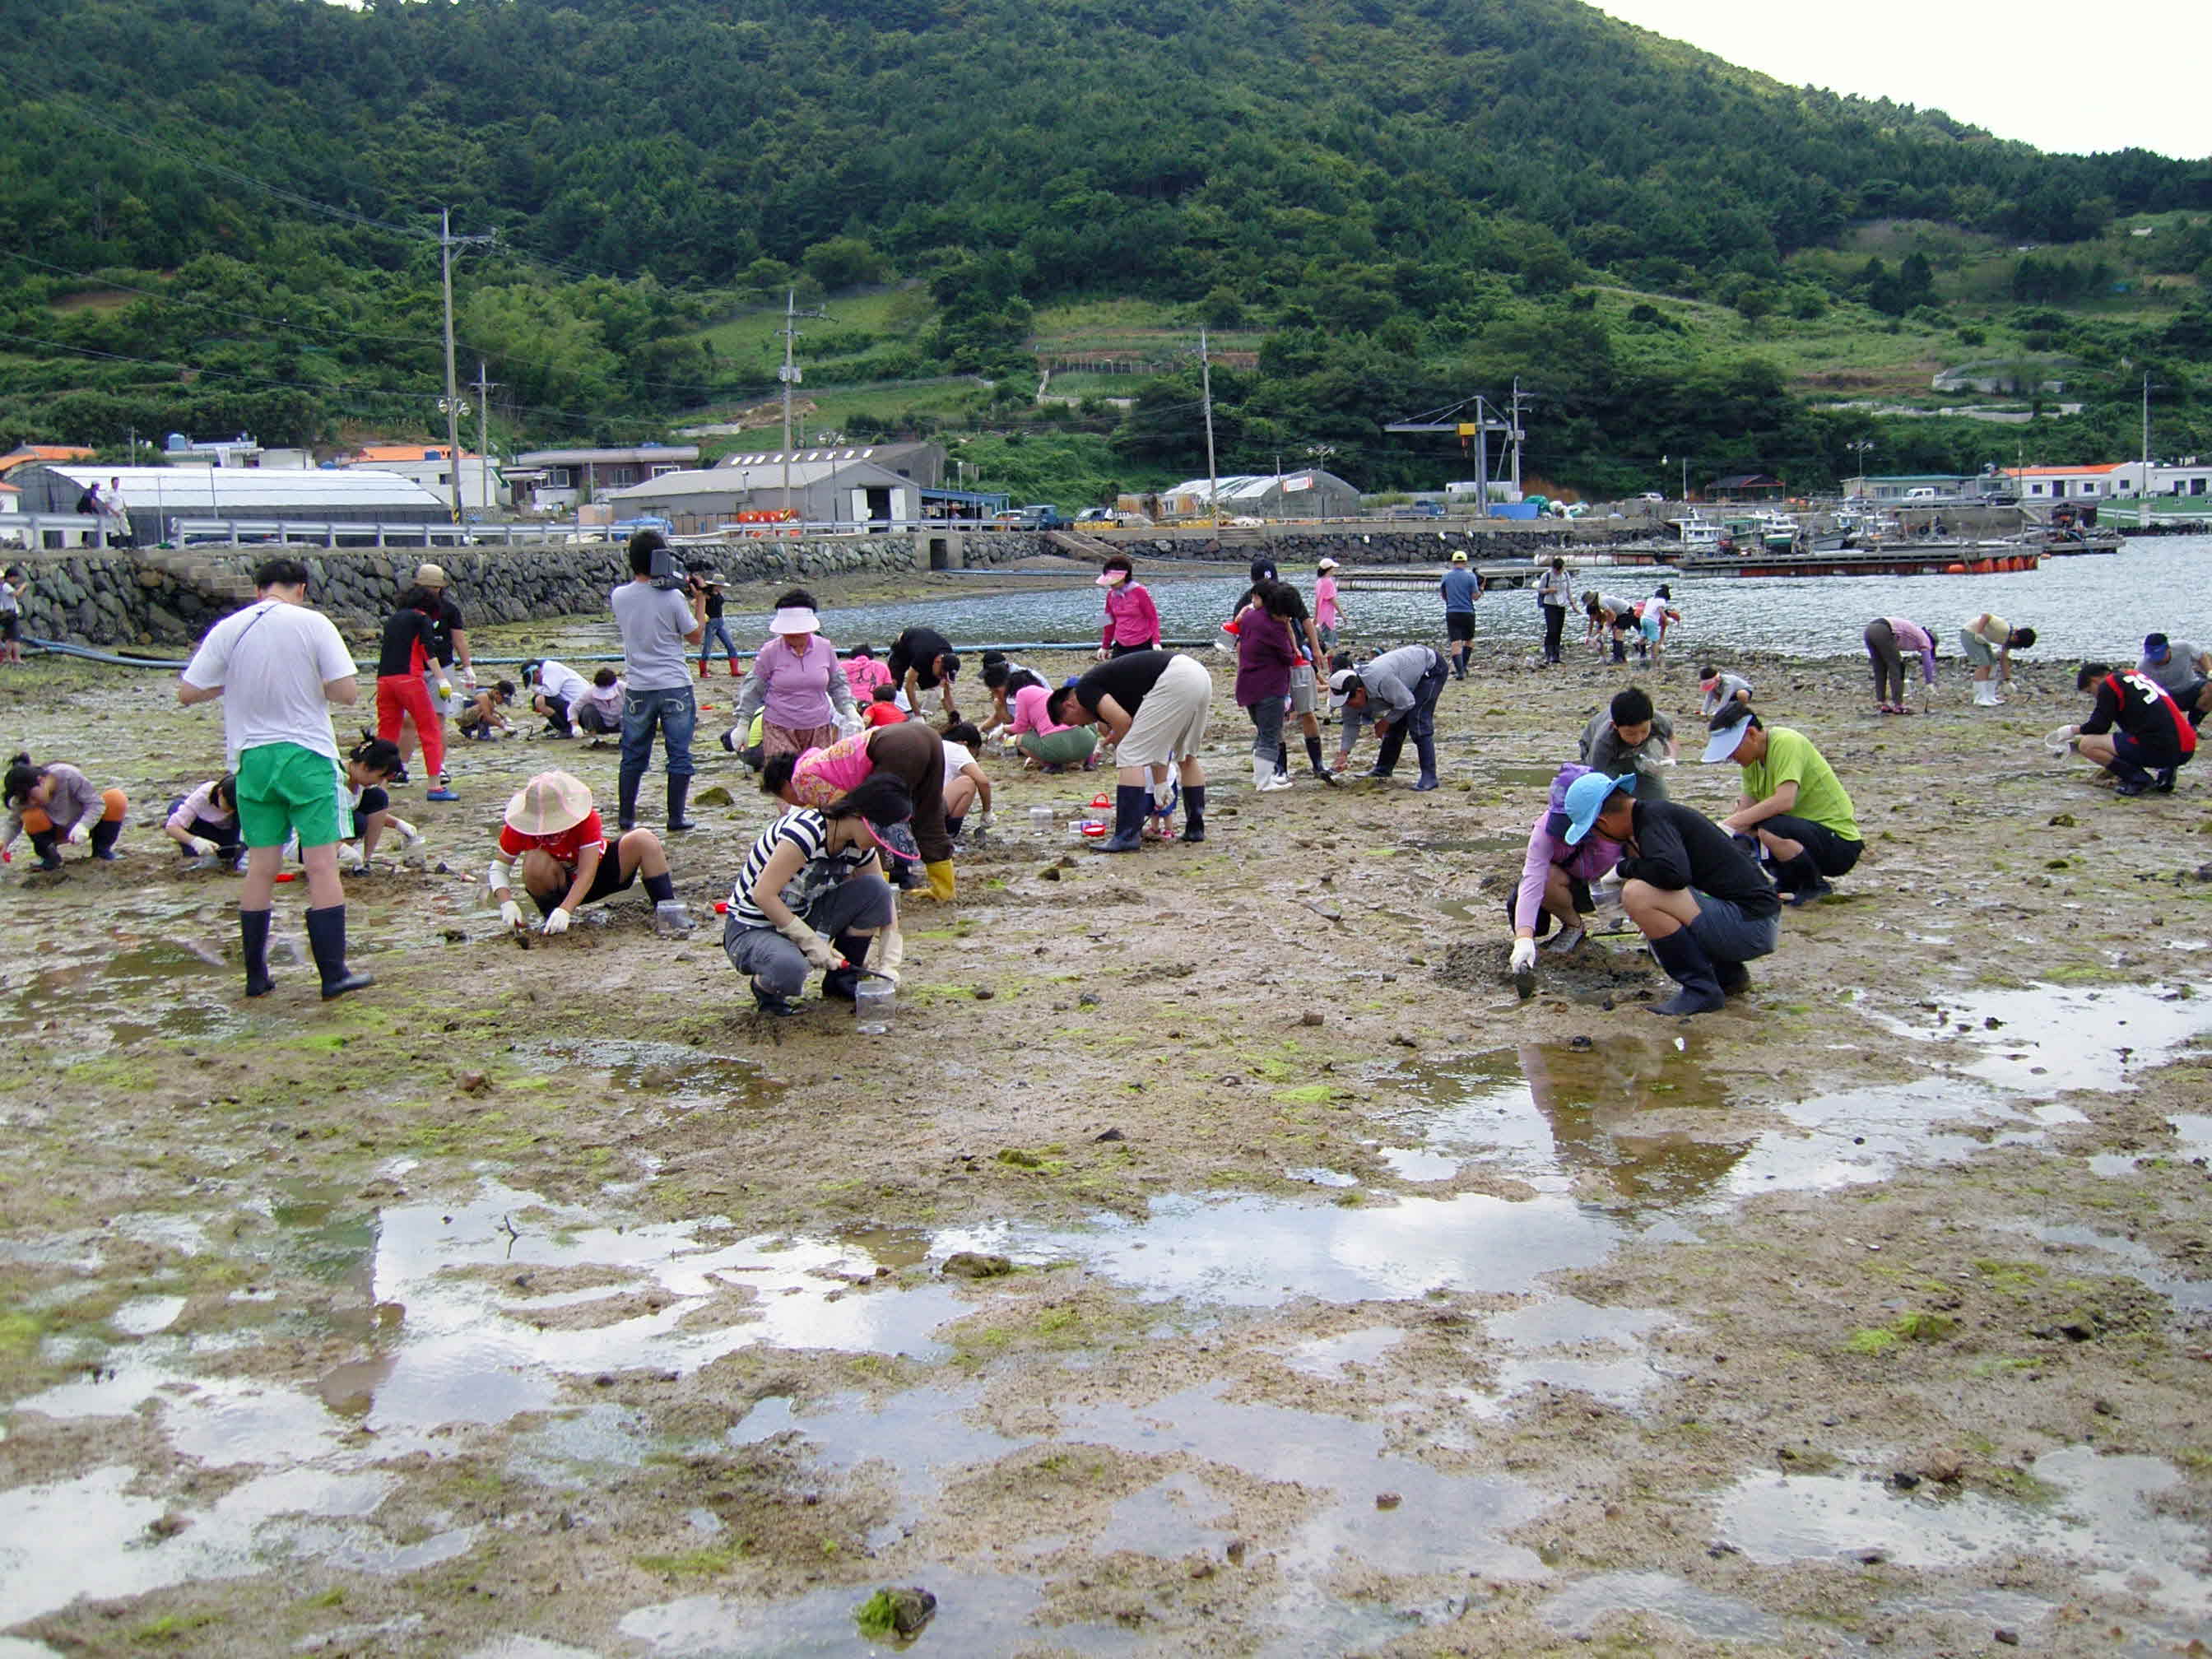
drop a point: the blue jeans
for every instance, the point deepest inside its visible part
(717, 628)
(675, 711)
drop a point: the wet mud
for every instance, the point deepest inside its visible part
(1316, 1294)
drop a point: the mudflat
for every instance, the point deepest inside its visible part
(1216, 1256)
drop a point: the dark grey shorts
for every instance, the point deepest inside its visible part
(1728, 935)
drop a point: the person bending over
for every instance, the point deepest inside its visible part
(2183, 670)
(56, 803)
(1396, 693)
(1988, 643)
(1156, 704)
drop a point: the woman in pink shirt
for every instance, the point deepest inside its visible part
(1133, 622)
(863, 673)
(1888, 640)
(1044, 741)
(797, 686)
(1328, 615)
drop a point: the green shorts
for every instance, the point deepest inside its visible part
(282, 787)
(1062, 748)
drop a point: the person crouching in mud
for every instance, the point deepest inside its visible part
(2136, 732)
(1688, 887)
(812, 895)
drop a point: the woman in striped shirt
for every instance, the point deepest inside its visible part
(812, 895)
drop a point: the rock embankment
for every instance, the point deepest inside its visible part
(168, 598)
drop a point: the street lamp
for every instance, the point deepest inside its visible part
(1860, 446)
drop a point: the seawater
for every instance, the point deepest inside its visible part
(2094, 605)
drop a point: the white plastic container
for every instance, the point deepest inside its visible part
(1040, 817)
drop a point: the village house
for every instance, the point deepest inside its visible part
(561, 480)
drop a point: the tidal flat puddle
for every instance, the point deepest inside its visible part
(2049, 1039)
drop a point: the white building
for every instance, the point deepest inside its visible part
(2064, 483)
(2189, 476)
(483, 488)
(833, 492)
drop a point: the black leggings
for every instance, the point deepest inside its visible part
(1555, 623)
(1888, 661)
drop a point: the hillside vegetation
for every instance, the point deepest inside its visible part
(225, 214)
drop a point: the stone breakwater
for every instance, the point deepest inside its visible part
(164, 597)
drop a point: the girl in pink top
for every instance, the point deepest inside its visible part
(1133, 622)
(1042, 739)
(864, 674)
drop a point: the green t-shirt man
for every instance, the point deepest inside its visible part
(1791, 758)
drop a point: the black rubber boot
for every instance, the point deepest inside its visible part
(253, 939)
(47, 845)
(1193, 812)
(1393, 745)
(1128, 819)
(326, 940)
(1687, 965)
(1801, 878)
(105, 834)
(840, 982)
(2164, 781)
(1733, 977)
(1313, 759)
(767, 1002)
(679, 791)
(626, 797)
(1426, 748)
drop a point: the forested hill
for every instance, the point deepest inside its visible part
(1163, 144)
(222, 212)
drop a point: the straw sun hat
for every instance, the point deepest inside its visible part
(548, 803)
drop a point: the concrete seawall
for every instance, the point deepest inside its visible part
(168, 598)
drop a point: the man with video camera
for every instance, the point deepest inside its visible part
(660, 611)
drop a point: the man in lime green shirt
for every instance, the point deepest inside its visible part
(1792, 802)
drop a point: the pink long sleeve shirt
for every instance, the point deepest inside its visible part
(1131, 616)
(1592, 859)
(1911, 636)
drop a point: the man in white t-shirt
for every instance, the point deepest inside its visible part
(117, 513)
(277, 667)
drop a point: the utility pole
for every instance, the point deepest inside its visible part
(789, 375)
(483, 431)
(447, 243)
(1206, 391)
(1516, 437)
(2143, 502)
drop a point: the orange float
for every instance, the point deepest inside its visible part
(1955, 570)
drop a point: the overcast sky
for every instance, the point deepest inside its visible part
(2061, 76)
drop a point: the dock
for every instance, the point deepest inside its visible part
(1933, 560)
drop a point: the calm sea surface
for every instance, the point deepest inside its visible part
(2094, 605)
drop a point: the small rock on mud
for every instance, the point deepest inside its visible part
(971, 1264)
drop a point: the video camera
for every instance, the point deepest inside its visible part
(669, 572)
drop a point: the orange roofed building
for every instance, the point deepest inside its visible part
(43, 454)
(482, 487)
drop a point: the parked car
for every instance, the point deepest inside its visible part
(1100, 515)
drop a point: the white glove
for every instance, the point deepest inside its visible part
(202, 846)
(445, 690)
(510, 913)
(983, 820)
(850, 725)
(885, 952)
(1104, 655)
(818, 951)
(350, 858)
(1523, 960)
(556, 921)
(469, 677)
(78, 834)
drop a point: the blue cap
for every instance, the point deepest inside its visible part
(1586, 797)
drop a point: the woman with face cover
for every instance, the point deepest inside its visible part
(1132, 622)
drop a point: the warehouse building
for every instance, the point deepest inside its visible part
(158, 496)
(821, 492)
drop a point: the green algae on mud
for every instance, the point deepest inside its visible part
(712, 1215)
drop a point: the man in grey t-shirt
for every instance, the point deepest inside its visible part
(2183, 670)
(658, 625)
